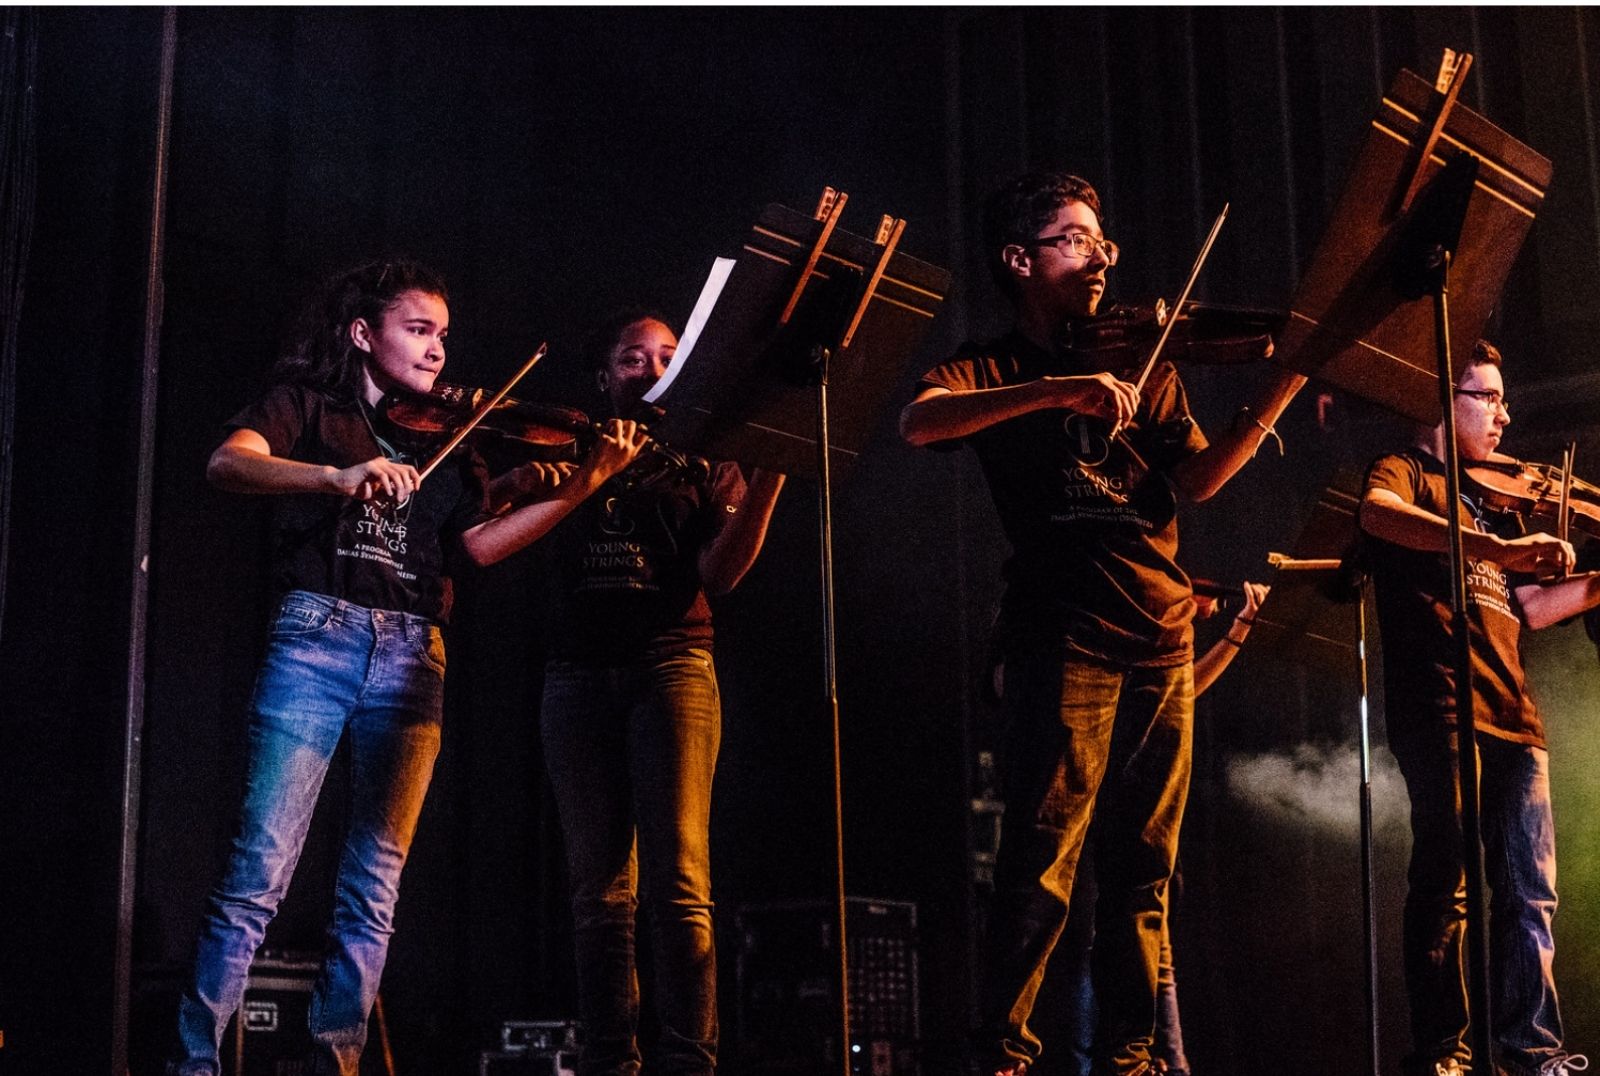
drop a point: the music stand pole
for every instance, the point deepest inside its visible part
(1369, 903)
(851, 307)
(830, 687)
(1480, 1018)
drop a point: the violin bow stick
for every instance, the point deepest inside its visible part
(1172, 318)
(478, 415)
(1285, 563)
(1183, 297)
(1564, 508)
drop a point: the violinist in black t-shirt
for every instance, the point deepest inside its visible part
(1096, 615)
(1403, 513)
(355, 648)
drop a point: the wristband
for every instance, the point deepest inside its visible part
(1269, 431)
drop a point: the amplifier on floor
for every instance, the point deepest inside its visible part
(786, 972)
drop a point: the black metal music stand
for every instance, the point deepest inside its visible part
(1439, 196)
(806, 308)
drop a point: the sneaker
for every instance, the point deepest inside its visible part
(1563, 1063)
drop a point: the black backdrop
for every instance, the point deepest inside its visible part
(556, 163)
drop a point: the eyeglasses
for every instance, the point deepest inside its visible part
(1080, 243)
(1492, 397)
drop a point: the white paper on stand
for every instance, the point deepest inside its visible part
(691, 332)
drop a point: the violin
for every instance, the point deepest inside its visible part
(546, 433)
(1538, 492)
(1123, 334)
(541, 431)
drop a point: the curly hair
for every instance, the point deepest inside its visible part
(322, 354)
(1016, 212)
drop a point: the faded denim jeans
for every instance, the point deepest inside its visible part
(631, 751)
(1084, 739)
(1070, 966)
(1520, 864)
(331, 668)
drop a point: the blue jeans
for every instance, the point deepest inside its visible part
(631, 751)
(1520, 863)
(331, 667)
(1084, 739)
(1083, 1011)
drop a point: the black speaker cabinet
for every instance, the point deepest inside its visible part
(787, 960)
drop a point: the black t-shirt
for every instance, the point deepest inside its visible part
(629, 566)
(1413, 593)
(375, 554)
(1093, 526)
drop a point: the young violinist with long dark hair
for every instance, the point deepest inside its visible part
(360, 544)
(1403, 514)
(1095, 621)
(632, 719)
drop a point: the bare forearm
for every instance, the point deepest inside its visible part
(244, 470)
(1214, 662)
(618, 445)
(1199, 477)
(498, 538)
(729, 555)
(1543, 606)
(941, 415)
(1399, 523)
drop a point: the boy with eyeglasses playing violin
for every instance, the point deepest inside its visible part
(1086, 473)
(355, 649)
(1403, 516)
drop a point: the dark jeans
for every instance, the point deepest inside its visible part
(631, 751)
(1084, 739)
(1070, 966)
(1520, 863)
(331, 667)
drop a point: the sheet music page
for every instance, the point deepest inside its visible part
(691, 332)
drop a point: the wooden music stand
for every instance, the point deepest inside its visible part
(1350, 323)
(747, 389)
(1439, 196)
(806, 307)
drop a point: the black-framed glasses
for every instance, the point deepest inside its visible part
(1492, 397)
(1081, 244)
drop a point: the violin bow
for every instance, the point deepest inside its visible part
(1564, 507)
(1183, 297)
(1172, 318)
(479, 415)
